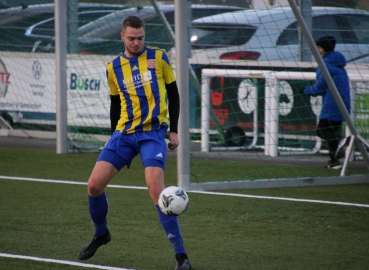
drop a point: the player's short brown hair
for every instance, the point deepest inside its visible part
(134, 22)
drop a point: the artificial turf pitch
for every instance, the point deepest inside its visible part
(51, 220)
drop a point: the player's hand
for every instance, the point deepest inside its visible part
(173, 141)
(301, 90)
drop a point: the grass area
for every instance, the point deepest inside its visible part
(51, 220)
(202, 170)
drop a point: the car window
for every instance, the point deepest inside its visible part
(200, 13)
(155, 34)
(289, 35)
(98, 7)
(87, 17)
(360, 26)
(321, 26)
(44, 28)
(13, 28)
(196, 14)
(347, 33)
(154, 27)
(108, 27)
(326, 25)
(220, 35)
(47, 28)
(14, 23)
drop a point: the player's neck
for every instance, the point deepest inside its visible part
(131, 55)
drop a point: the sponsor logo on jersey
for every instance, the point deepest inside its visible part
(151, 63)
(137, 81)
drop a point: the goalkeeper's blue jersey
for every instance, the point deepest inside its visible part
(140, 82)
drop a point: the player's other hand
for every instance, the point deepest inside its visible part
(173, 141)
(301, 90)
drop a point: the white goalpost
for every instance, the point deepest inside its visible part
(271, 104)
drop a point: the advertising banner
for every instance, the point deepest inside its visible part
(28, 90)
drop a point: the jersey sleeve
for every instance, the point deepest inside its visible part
(112, 81)
(167, 69)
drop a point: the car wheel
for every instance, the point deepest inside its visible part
(234, 136)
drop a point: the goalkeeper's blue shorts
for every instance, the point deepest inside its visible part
(122, 148)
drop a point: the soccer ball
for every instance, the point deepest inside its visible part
(173, 201)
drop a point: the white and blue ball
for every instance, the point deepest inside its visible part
(173, 201)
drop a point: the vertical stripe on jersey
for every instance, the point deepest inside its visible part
(140, 91)
(162, 116)
(130, 94)
(126, 103)
(153, 54)
(146, 102)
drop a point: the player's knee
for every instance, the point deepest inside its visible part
(94, 188)
(155, 189)
(155, 181)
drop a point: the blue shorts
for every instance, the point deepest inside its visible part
(122, 148)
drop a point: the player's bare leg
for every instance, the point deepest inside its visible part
(155, 182)
(100, 177)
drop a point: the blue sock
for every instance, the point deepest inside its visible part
(98, 207)
(171, 227)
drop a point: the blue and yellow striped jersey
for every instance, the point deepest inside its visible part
(140, 82)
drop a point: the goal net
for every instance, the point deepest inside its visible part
(248, 61)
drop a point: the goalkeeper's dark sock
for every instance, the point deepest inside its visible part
(98, 207)
(171, 227)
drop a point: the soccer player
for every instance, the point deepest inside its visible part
(140, 79)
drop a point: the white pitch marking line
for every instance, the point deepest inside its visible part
(200, 192)
(62, 182)
(281, 198)
(86, 265)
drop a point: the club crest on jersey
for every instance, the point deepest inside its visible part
(151, 63)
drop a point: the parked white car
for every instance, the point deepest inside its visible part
(272, 34)
(102, 36)
(39, 20)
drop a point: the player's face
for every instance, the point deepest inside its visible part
(321, 51)
(133, 40)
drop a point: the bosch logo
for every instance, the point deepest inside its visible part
(36, 70)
